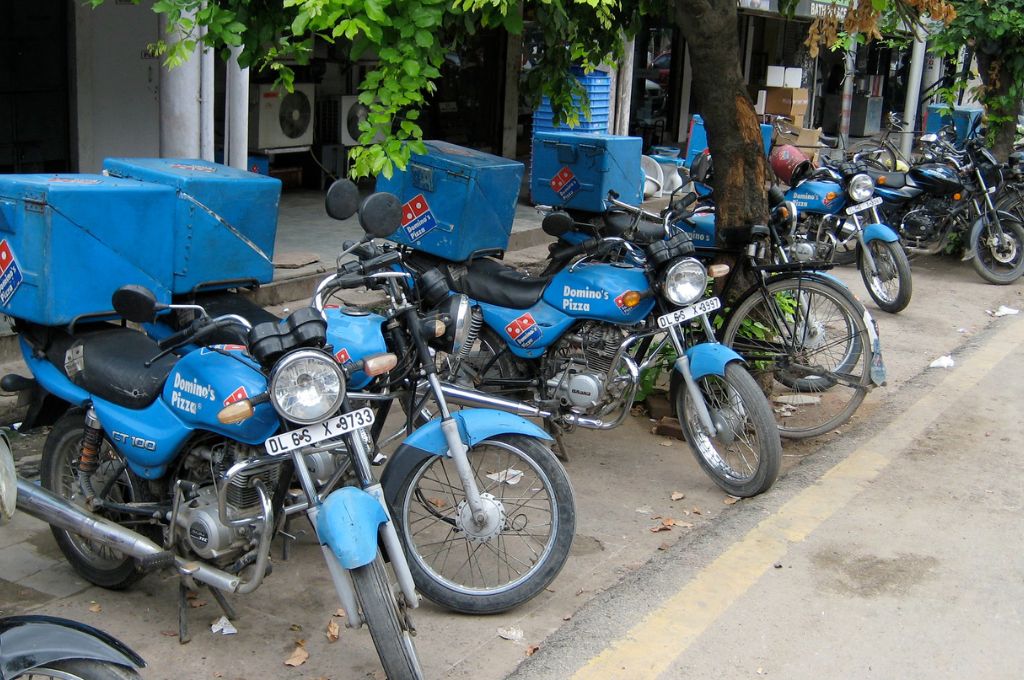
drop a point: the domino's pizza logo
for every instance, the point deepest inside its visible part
(10, 273)
(565, 184)
(417, 220)
(524, 331)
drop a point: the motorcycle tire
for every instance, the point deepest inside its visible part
(808, 337)
(892, 288)
(386, 622)
(98, 564)
(749, 464)
(1001, 267)
(431, 511)
(80, 669)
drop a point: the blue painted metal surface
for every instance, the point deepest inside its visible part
(354, 336)
(577, 169)
(817, 196)
(528, 332)
(595, 291)
(698, 139)
(880, 232)
(67, 242)
(475, 425)
(348, 523)
(710, 358)
(457, 201)
(224, 220)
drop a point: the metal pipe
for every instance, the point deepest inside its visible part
(469, 397)
(345, 588)
(683, 366)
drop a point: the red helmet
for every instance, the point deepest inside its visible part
(789, 164)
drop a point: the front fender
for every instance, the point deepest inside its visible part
(710, 358)
(348, 522)
(475, 425)
(28, 642)
(880, 232)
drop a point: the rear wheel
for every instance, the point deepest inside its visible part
(79, 669)
(386, 621)
(99, 564)
(744, 453)
(810, 336)
(531, 519)
(890, 286)
(1000, 260)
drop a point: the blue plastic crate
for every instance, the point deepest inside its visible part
(224, 221)
(698, 140)
(963, 119)
(67, 242)
(458, 202)
(577, 169)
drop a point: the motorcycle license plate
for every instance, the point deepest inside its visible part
(311, 434)
(866, 205)
(686, 313)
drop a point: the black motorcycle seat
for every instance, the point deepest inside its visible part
(491, 281)
(113, 365)
(893, 180)
(616, 223)
(224, 302)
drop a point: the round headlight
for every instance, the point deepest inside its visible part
(459, 314)
(685, 282)
(307, 386)
(860, 188)
(8, 480)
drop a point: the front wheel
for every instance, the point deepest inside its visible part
(744, 454)
(890, 285)
(386, 621)
(523, 544)
(79, 669)
(1000, 261)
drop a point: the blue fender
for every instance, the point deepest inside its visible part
(348, 523)
(880, 232)
(710, 358)
(28, 642)
(475, 425)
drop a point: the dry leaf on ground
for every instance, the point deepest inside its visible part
(669, 522)
(333, 631)
(295, 627)
(513, 633)
(730, 500)
(660, 527)
(532, 649)
(95, 608)
(339, 612)
(677, 495)
(695, 510)
(196, 604)
(299, 656)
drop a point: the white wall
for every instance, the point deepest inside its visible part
(117, 84)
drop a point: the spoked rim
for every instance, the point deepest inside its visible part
(727, 408)
(885, 283)
(517, 493)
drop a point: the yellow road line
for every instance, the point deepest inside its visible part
(650, 647)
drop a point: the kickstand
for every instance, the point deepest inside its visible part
(183, 635)
(229, 611)
(556, 432)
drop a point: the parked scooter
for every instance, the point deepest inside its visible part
(199, 452)
(50, 647)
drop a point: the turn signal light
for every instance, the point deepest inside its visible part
(956, 197)
(379, 363)
(236, 412)
(830, 196)
(717, 271)
(631, 298)
(880, 180)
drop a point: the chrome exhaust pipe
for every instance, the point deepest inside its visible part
(56, 511)
(467, 397)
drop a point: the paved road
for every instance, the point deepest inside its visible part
(898, 540)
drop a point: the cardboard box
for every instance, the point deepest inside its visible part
(806, 140)
(786, 101)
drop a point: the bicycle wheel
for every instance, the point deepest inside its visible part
(876, 155)
(809, 334)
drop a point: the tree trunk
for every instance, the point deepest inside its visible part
(999, 108)
(734, 135)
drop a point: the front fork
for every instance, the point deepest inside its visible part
(682, 365)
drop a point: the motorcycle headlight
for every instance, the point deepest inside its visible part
(860, 188)
(307, 386)
(685, 282)
(456, 314)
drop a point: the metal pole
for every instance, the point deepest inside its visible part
(179, 105)
(917, 58)
(206, 143)
(624, 86)
(237, 113)
(847, 108)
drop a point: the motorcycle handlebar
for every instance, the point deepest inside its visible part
(592, 246)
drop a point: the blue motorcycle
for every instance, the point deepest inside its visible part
(570, 348)
(186, 462)
(832, 201)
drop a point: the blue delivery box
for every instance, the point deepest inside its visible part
(67, 242)
(223, 222)
(457, 202)
(577, 169)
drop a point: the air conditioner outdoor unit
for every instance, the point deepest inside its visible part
(279, 119)
(351, 114)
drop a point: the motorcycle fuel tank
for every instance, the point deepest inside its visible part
(354, 334)
(935, 178)
(818, 197)
(598, 291)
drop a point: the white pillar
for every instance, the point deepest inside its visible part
(684, 100)
(236, 123)
(179, 107)
(933, 72)
(624, 88)
(206, 146)
(913, 91)
(847, 107)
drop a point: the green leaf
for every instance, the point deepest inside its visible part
(376, 12)
(299, 23)
(424, 38)
(411, 66)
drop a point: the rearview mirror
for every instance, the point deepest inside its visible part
(380, 214)
(557, 223)
(136, 303)
(342, 199)
(684, 201)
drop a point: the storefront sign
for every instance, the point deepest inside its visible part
(759, 5)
